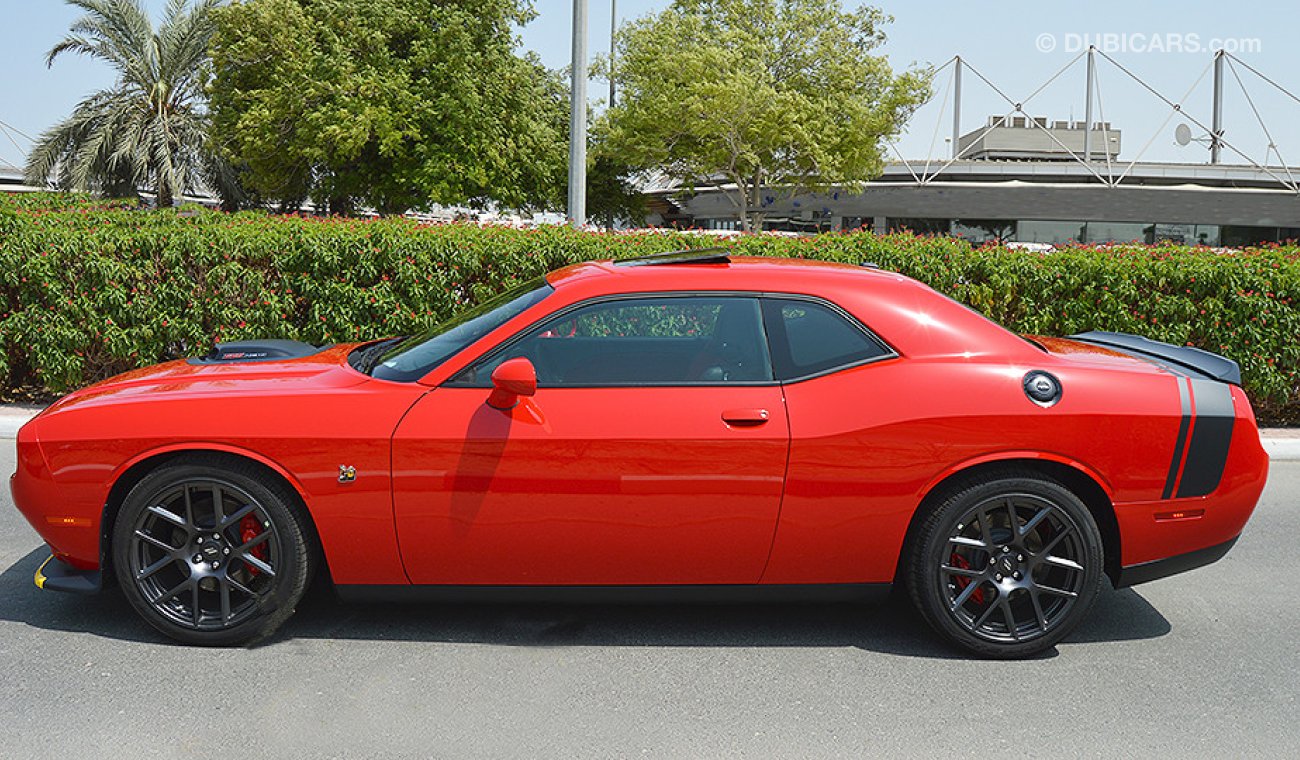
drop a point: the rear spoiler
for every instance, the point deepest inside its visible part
(1210, 365)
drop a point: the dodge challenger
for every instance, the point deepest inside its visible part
(682, 426)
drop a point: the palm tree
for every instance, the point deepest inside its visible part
(150, 130)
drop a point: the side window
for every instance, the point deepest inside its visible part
(809, 337)
(677, 340)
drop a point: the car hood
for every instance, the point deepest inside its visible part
(187, 377)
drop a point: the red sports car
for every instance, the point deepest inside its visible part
(691, 425)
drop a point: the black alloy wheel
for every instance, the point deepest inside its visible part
(1007, 567)
(212, 552)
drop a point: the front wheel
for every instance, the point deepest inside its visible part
(210, 551)
(1008, 566)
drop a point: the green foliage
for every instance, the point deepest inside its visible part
(90, 290)
(396, 104)
(151, 128)
(643, 320)
(612, 193)
(759, 94)
(49, 201)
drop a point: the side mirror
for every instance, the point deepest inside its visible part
(511, 379)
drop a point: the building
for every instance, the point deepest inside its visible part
(1037, 201)
(11, 178)
(1025, 178)
(1021, 139)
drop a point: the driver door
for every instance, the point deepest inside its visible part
(653, 452)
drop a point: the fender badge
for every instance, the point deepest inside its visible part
(347, 473)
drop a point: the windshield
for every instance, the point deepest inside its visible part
(415, 356)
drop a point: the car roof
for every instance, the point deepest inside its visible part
(913, 318)
(715, 272)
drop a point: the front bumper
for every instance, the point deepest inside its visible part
(68, 521)
(56, 575)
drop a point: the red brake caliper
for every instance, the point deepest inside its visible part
(249, 528)
(962, 581)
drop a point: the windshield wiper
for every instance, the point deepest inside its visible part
(370, 355)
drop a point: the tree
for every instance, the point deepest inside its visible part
(151, 128)
(395, 104)
(758, 96)
(613, 194)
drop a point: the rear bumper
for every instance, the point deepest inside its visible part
(1179, 563)
(56, 575)
(1186, 531)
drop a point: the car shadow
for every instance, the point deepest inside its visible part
(889, 627)
(105, 614)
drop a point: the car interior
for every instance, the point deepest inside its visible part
(647, 341)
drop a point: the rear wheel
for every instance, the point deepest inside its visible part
(1008, 566)
(211, 552)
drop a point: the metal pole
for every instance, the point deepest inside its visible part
(956, 104)
(613, 27)
(1087, 108)
(578, 118)
(1216, 127)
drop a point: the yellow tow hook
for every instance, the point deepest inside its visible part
(40, 572)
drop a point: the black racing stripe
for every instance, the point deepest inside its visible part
(1207, 453)
(1182, 438)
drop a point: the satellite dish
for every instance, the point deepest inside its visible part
(1183, 134)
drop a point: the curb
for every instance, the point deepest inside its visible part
(15, 416)
(1282, 444)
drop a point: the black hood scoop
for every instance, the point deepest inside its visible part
(257, 351)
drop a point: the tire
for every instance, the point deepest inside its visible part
(205, 584)
(1002, 593)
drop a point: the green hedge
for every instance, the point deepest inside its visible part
(89, 289)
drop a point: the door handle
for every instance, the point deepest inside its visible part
(745, 417)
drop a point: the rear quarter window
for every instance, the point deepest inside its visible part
(810, 338)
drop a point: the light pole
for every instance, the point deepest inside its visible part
(578, 118)
(613, 27)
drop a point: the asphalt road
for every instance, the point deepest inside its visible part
(1202, 665)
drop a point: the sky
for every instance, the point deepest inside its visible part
(1016, 44)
